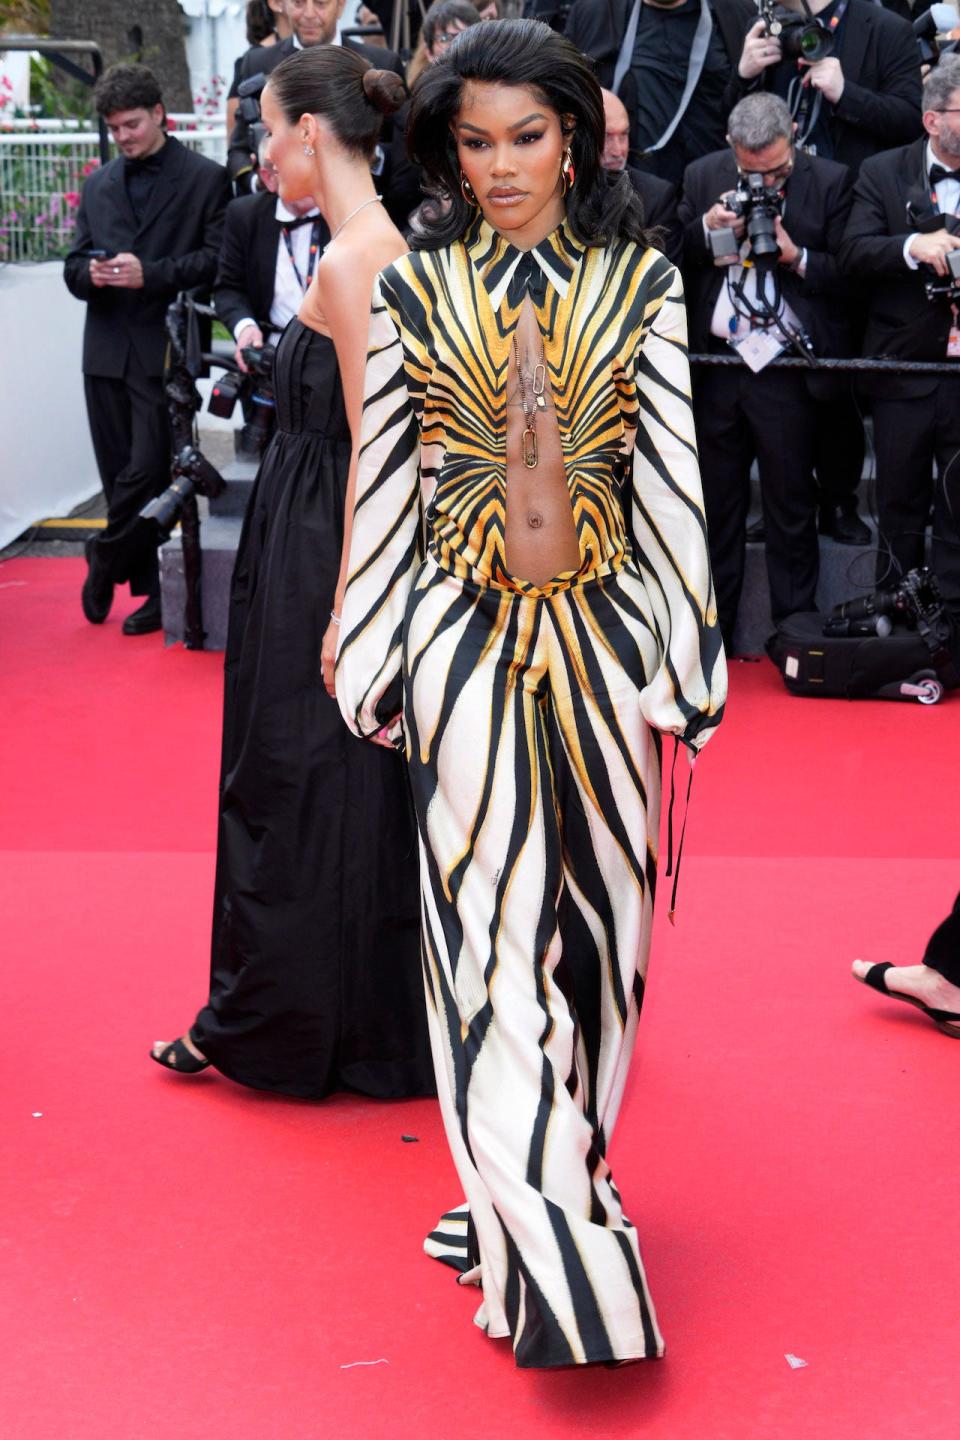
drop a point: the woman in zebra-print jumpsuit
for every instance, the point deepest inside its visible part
(535, 652)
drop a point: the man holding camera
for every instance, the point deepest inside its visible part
(903, 238)
(762, 224)
(148, 226)
(270, 252)
(849, 71)
(315, 22)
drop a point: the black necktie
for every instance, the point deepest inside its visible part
(528, 278)
(938, 173)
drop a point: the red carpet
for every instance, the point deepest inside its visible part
(183, 1259)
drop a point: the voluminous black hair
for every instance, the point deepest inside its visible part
(337, 84)
(526, 53)
(126, 87)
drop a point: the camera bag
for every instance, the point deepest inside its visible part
(904, 665)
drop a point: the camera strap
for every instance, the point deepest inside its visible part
(805, 104)
(698, 57)
(314, 252)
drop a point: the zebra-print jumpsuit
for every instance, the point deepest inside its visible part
(530, 716)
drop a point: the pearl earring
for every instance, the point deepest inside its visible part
(308, 150)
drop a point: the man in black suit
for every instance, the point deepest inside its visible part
(750, 410)
(148, 226)
(268, 258)
(314, 22)
(659, 199)
(671, 63)
(862, 98)
(902, 230)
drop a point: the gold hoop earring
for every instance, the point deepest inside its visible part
(567, 172)
(467, 190)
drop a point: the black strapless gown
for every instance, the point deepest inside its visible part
(316, 983)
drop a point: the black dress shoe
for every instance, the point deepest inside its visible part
(849, 529)
(96, 597)
(145, 620)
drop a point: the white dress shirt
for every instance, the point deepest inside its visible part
(287, 289)
(948, 201)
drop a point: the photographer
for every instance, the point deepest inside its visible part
(659, 199)
(269, 256)
(783, 211)
(861, 97)
(148, 226)
(902, 233)
(314, 22)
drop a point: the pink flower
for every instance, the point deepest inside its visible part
(89, 168)
(72, 198)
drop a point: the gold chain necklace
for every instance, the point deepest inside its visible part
(531, 399)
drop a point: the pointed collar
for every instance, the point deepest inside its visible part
(496, 260)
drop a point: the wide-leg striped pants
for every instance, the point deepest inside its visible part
(537, 785)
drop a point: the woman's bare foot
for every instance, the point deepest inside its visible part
(917, 982)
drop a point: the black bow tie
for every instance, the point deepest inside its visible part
(939, 172)
(289, 225)
(527, 278)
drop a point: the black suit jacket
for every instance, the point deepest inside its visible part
(880, 105)
(178, 241)
(901, 323)
(659, 200)
(399, 183)
(247, 272)
(816, 206)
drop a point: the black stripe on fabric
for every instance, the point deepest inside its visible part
(541, 1344)
(592, 1331)
(646, 1319)
(547, 925)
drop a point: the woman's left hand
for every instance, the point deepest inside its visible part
(328, 658)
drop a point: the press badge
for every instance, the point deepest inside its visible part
(953, 339)
(758, 348)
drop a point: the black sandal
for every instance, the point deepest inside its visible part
(945, 1020)
(176, 1056)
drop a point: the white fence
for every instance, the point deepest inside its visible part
(43, 165)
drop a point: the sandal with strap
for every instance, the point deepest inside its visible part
(946, 1021)
(176, 1056)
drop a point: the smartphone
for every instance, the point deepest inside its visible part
(98, 254)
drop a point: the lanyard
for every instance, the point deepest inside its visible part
(314, 252)
(805, 106)
(695, 64)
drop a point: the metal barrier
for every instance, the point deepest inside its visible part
(42, 171)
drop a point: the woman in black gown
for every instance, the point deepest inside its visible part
(315, 978)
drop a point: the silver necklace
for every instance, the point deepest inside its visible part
(374, 200)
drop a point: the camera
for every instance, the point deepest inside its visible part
(802, 37)
(931, 28)
(945, 287)
(192, 473)
(255, 392)
(916, 602)
(760, 205)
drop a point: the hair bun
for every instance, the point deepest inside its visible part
(384, 89)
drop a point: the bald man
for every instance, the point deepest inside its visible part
(659, 199)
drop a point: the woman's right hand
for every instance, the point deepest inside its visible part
(328, 658)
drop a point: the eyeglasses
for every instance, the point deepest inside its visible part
(949, 111)
(773, 177)
(446, 37)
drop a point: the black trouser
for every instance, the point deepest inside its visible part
(943, 948)
(131, 440)
(911, 434)
(839, 446)
(739, 414)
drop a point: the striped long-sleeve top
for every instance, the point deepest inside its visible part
(432, 454)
